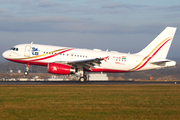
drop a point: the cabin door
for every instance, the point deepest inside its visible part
(27, 51)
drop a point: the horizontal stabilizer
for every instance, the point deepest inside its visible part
(159, 62)
(165, 63)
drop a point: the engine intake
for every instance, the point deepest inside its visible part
(57, 68)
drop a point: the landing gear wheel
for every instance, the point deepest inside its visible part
(26, 70)
(82, 79)
(85, 77)
(26, 73)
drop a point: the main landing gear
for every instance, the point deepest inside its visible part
(27, 69)
(83, 77)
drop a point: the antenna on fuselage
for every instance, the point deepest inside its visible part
(32, 42)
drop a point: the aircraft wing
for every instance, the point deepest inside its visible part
(95, 60)
(87, 63)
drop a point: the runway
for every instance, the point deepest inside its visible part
(87, 83)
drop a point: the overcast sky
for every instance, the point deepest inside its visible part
(117, 25)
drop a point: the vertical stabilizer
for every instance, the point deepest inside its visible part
(159, 47)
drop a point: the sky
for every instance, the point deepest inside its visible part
(117, 25)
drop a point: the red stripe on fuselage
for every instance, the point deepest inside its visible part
(28, 62)
(36, 61)
(105, 70)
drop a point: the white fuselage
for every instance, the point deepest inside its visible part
(113, 61)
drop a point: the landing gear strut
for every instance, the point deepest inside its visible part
(83, 77)
(27, 69)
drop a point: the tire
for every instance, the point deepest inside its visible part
(26, 73)
(85, 77)
(82, 79)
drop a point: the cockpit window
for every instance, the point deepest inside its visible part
(14, 49)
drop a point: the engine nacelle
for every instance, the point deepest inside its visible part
(57, 68)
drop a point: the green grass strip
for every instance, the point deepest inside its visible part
(127, 102)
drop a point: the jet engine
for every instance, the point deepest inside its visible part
(57, 68)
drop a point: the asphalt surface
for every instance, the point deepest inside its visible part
(86, 83)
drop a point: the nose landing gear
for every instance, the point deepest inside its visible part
(27, 69)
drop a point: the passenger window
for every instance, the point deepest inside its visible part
(16, 49)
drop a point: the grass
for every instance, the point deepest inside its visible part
(140, 102)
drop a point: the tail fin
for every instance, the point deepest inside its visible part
(159, 47)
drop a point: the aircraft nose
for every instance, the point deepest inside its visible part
(5, 54)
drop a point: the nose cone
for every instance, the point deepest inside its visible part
(5, 54)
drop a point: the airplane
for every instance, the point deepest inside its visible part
(66, 60)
